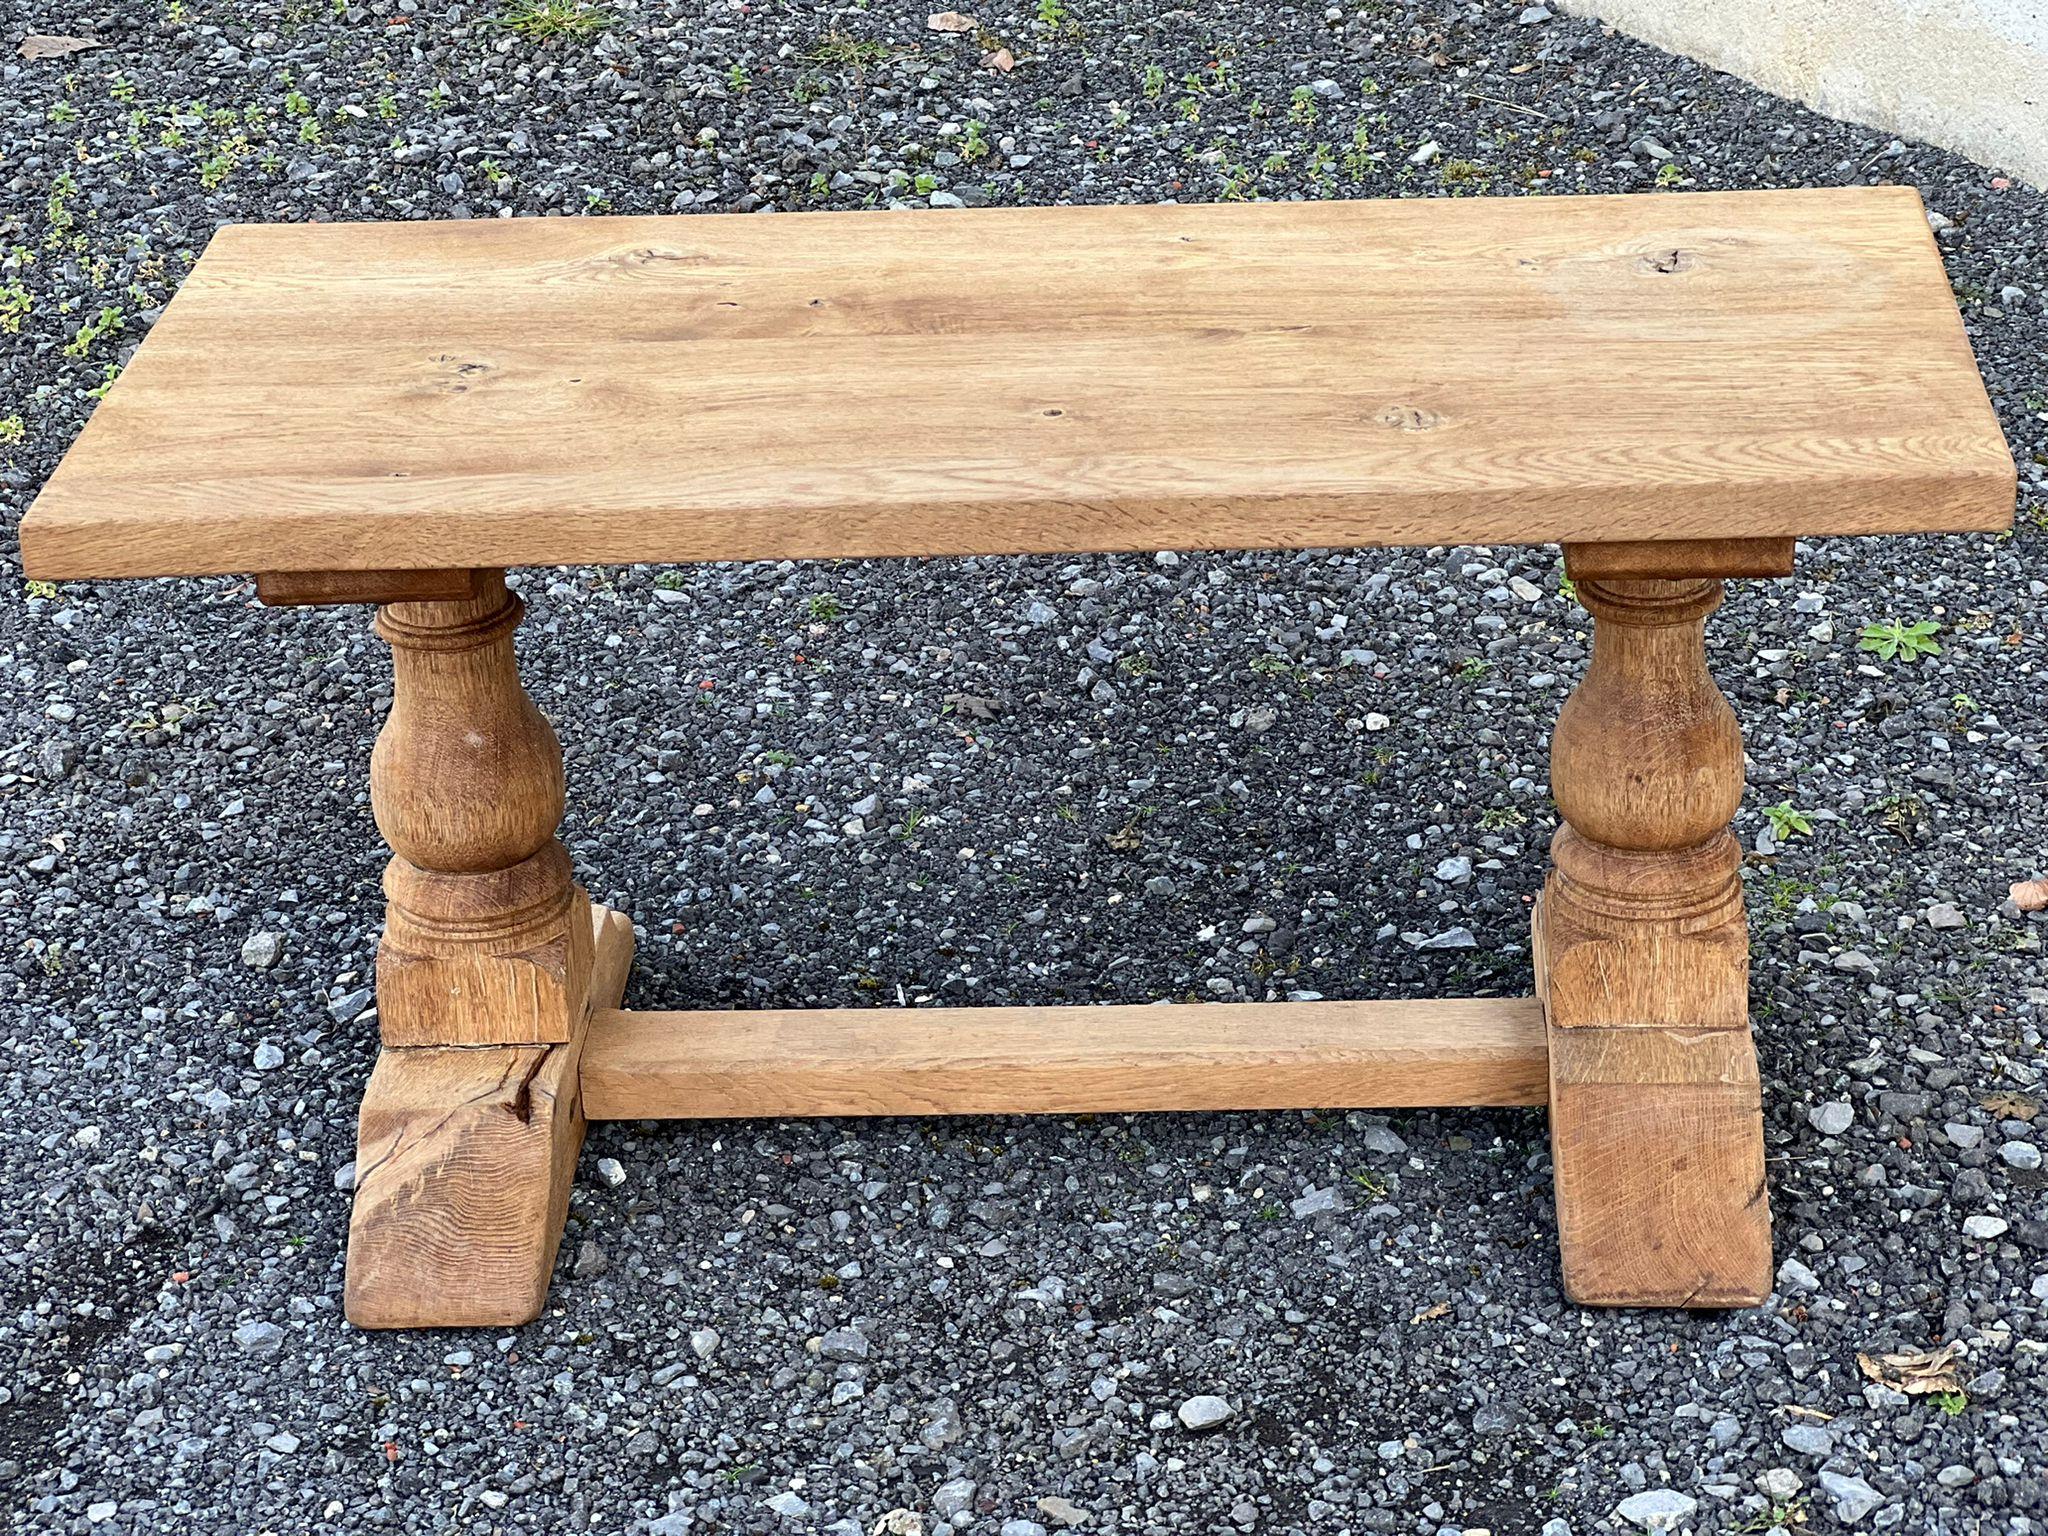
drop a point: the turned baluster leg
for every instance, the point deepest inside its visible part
(1642, 961)
(491, 960)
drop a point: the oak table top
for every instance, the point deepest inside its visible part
(342, 397)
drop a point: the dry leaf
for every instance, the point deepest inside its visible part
(1431, 1314)
(949, 21)
(2010, 1106)
(2030, 895)
(1915, 1372)
(42, 46)
(1001, 59)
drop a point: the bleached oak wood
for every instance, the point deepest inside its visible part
(486, 933)
(1516, 370)
(301, 589)
(464, 1159)
(1641, 951)
(991, 1061)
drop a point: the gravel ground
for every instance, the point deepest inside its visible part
(1215, 776)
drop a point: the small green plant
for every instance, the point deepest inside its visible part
(1787, 823)
(40, 588)
(1599, 1430)
(12, 430)
(105, 323)
(737, 80)
(1154, 83)
(1783, 1515)
(824, 608)
(1891, 640)
(1052, 15)
(1567, 589)
(1499, 818)
(1358, 159)
(925, 184)
(541, 21)
(1473, 668)
(15, 303)
(1951, 1403)
(1301, 105)
(1670, 174)
(121, 88)
(837, 48)
(63, 112)
(387, 107)
(974, 142)
(297, 103)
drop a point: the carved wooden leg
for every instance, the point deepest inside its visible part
(1642, 962)
(491, 962)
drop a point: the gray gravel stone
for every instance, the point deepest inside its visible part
(1808, 1439)
(1833, 1118)
(1853, 1498)
(1205, 1412)
(1657, 1509)
(259, 1338)
(844, 1344)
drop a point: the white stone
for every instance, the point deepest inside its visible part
(1657, 1509)
(1205, 1412)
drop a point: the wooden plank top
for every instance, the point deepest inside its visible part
(1291, 375)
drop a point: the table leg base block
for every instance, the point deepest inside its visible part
(1660, 1184)
(1656, 1136)
(464, 1159)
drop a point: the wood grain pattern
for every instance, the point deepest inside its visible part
(486, 933)
(988, 1061)
(1516, 370)
(464, 1158)
(1642, 964)
(1667, 558)
(305, 589)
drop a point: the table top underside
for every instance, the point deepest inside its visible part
(1302, 375)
